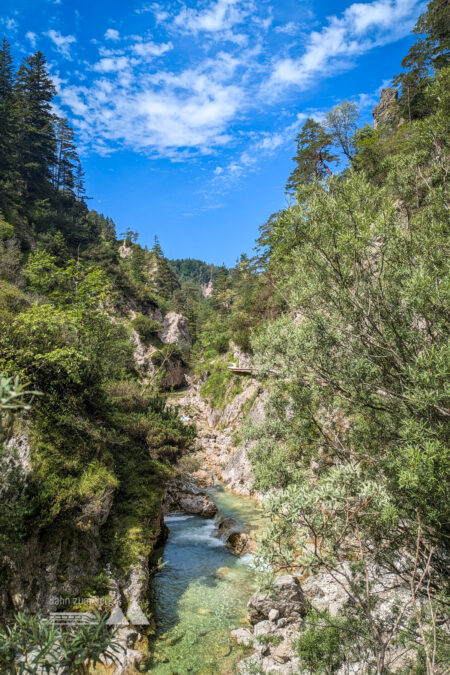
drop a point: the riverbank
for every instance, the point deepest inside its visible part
(200, 593)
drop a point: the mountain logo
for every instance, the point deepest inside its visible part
(135, 616)
(117, 618)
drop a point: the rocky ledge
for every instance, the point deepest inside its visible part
(276, 619)
(187, 497)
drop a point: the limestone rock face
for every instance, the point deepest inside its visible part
(124, 250)
(385, 112)
(207, 289)
(287, 598)
(175, 329)
(186, 497)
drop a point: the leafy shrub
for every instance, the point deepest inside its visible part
(322, 644)
(146, 327)
(44, 647)
(166, 353)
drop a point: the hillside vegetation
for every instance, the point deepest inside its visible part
(344, 311)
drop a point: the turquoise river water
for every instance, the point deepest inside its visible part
(201, 592)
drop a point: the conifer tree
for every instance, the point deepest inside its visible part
(313, 155)
(36, 138)
(7, 121)
(413, 82)
(435, 25)
(165, 280)
(67, 162)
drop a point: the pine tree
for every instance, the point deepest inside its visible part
(435, 25)
(156, 249)
(80, 191)
(165, 280)
(413, 82)
(36, 139)
(67, 161)
(313, 155)
(7, 122)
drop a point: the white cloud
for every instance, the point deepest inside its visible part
(262, 145)
(61, 42)
(32, 38)
(112, 64)
(9, 23)
(178, 109)
(221, 15)
(112, 34)
(290, 28)
(360, 28)
(160, 113)
(150, 49)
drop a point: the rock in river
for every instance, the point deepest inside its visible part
(182, 496)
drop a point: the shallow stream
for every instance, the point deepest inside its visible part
(201, 592)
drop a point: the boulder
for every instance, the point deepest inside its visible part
(234, 539)
(243, 636)
(274, 615)
(187, 497)
(286, 597)
(262, 628)
(239, 543)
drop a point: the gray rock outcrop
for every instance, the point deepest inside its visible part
(175, 329)
(234, 539)
(187, 497)
(386, 111)
(287, 598)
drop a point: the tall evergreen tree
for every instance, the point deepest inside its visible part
(165, 281)
(67, 162)
(36, 141)
(414, 80)
(435, 25)
(313, 155)
(7, 121)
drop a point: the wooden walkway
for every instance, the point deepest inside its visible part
(241, 371)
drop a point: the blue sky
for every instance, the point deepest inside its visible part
(186, 112)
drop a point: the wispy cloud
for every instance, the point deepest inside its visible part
(362, 27)
(160, 113)
(32, 38)
(263, 144)
(151, 49)
(220, 16)
(9, 23)
(290, 28)
(149, 93)
(112, 34)
(61, 42)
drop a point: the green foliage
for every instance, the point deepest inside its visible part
(313, 155)
(33, 645)
(340, 122)
(325, 642)
(189, 269)
(146, 327)
(353, 450)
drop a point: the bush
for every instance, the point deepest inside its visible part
(146, 327)
(321, 646)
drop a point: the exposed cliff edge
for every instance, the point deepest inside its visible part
(215, 449)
